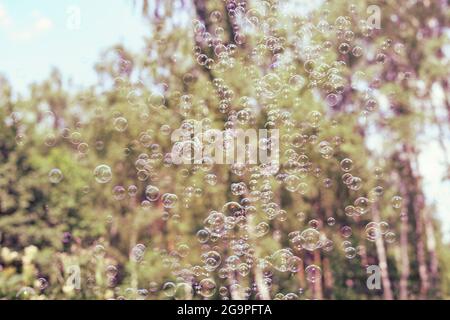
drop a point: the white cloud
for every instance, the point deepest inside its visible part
(5, 20)
(40, 24)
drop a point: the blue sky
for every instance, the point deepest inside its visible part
(37, 35)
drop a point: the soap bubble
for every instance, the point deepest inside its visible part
(152, 193)
(212, 260)
(55, 176)
(390, 237)
(169, 200)
(207, 287)
(119, 193)
(346, 165)
(396, 202)
(280, 259)
(102, 173)
(310, 239)
(120, 124)
(203, 236)
(169, 289)
(313, 273)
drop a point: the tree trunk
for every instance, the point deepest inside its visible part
(382, 260)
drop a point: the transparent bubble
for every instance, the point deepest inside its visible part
(310, 239)
(102, 173)
(280, 259)
(362, 206)
(313, 273)
(132, 190)
(346, 231)
(331, 221)
(295, 264)
(355, 183)
(119, 193)
(349, 211)
(120, 124)
(297, 82)
(357, 51)
(111, 271)
(350, 252)
(207, 287)
(169, 289)
(232, 209)
(212, 260)
(390, 237)
(270, 85)
(152, 193)
(169, 200)
(383, 226)
(137, 253)
(372, 231)
(396, 202)
(314, 118)
(332, 99)
(292, 183)
(344, 48)
(42, 283)
(203, 236)
(55, 176)
(156, 100)
(99, 251)
(262, 229)
(346, 165)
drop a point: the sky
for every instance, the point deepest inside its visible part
(68, 34)
(36, 36)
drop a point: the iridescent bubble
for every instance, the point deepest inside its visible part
(99, 251)
(350, 252)
(152, 193)
(102, 173)
(396, 202)
(295, 264)
(270, 85)
(390, 237)
(362, 206)
(372, 231)
(346, 231)
(55, 176)
(346, 165)
(344, 48)
(332, 99)
(169, 289)
(207, 287)
(313, 273)
(120, 124)
(42, 283)
(203, 236)
(262, 229)
(137, 253)
(355, 183)
(169, 200)
(331, 221)
(280, 259)
(119, 193)
(132, 190)
(310, 239)
(212, 260)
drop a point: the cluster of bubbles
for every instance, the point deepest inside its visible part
(230, 234)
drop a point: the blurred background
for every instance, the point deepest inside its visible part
(91, 206)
